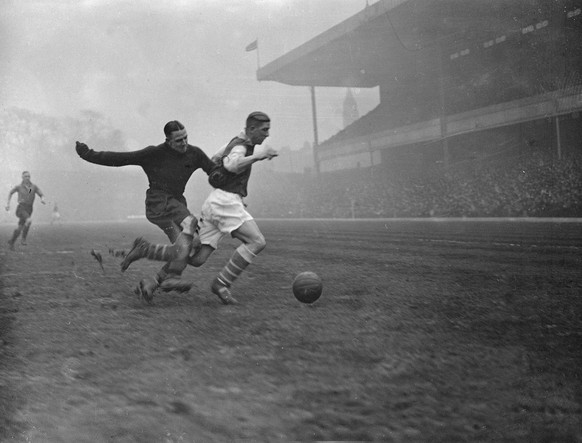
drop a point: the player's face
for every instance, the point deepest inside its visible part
(178, 140)
(26, 177)
(258, 134)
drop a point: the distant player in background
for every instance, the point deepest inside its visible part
(223, 213)
(27, 192)
(168, 167)
(56, 215)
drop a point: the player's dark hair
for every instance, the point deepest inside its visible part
(172, 126)
(257, 118)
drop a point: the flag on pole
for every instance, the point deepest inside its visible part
(252, 46)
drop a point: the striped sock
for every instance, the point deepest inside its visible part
(158, 252)
(241, 258)
(162, 252)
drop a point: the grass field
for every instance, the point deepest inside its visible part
(436, 331)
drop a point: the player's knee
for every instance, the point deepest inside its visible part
(196, 261)
(28, 222)
(258, 244)
(201, 256)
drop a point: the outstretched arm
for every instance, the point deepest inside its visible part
(236, 161)
(109, 158)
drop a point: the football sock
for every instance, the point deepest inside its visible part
(241, 258)
(158, 252)
(178, 251)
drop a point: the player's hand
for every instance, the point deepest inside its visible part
(269, 153)
(7, 207)
(82, 149)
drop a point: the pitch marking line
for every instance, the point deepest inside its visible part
(513, 245)
(28, 274)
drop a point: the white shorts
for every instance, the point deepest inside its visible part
(222, 213)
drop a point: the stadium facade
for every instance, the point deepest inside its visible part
(458, 80)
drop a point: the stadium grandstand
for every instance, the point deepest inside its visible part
(459, 81)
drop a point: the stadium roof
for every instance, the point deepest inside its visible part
(383, 40)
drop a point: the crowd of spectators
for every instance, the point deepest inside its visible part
(536, 185)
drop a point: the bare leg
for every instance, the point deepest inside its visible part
(15, 236)
(25, 230)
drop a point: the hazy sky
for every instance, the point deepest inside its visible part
(143, 63)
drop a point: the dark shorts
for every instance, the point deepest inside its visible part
(23, 212)
(166, 211)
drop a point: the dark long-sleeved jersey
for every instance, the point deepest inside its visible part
(167, 170)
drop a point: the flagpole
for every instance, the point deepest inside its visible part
(254, 46)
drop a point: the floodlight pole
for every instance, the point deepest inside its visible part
(315, 136)
(558, 137)
(443, 107)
